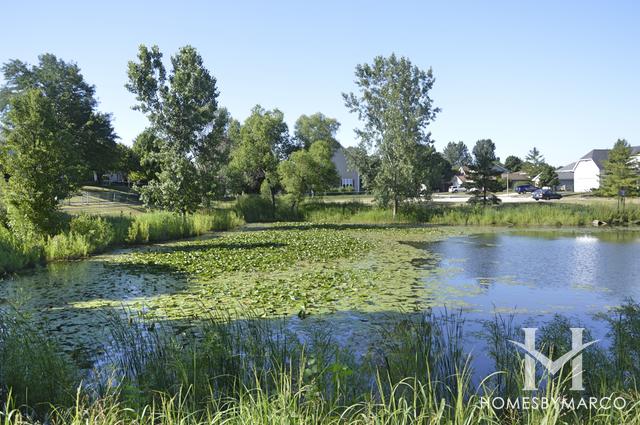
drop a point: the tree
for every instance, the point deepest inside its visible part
(620, 171)
(367, 165)
(75, 105)
(513, 163)
(394, 104)
(39, 154)
(312, 128)
(533, 162)
(263, 141)
(307, 171)
(147, 147)
(457, 154)
(548, 176)
(182, 112)
(483, 171)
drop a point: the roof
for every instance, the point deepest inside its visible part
(516, 175)
(568, 167)
(599, 156)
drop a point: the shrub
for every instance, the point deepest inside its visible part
(16, 253)
(254, 209)
(97, 231)
(66, 246)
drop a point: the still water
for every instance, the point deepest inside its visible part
(530, 275)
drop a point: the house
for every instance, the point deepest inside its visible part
(566, 178)
(588, 170)
(463, 175)
(515, 178)
(349, 178)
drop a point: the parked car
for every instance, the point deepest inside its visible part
(456, 189)
(526, 188)
(545, 194)
(479, 199)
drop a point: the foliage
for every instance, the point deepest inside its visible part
(147, 147)
(33, 367)
(17, 253)
(253, 208)
(533, 162)
(73, 100)
(513, 163)
(548, 176)
(309, 129)
(181, 110)
(457, 154)
(263, 142)
(620, 171)
(308, 171)
(395, 107)
(367, 165)
(418, 373)
(483, 173)
(38, 153)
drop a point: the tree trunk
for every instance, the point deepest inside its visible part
(395, 206)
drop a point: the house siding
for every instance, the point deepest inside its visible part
(348, 177)
(586, 176)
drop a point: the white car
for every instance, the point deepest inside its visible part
(456, 189)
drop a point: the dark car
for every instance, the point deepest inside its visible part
(526, 188)
(479, 199)
(545, 194)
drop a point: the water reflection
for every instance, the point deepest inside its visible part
(539, 272)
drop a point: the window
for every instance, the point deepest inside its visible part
(347, 182)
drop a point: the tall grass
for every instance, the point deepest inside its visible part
(253, 371)
(544, 214)
(86, 234)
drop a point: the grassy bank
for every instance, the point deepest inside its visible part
(87, 234)
(254, 372)
(539, 214)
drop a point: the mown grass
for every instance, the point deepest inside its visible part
(254, 372)
(87, 234)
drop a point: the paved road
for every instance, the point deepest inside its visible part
(460, 198)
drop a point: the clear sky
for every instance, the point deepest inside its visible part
(560, 75)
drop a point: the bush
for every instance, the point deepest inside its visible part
(97, 231)
(15, 253)
(254, 209)
(66, 246)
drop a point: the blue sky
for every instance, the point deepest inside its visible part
(563, 76)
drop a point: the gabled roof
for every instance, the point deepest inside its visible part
(599, 156)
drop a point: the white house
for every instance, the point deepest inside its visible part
(588, 170)
(349, 178)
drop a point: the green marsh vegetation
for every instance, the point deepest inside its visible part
(249, 370)
(82, 235)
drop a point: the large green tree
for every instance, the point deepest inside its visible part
(312, 128)
(483, 170)
(263, 143)
(457, 154)
(620, 171)
(394, 105)
(181, 108)
(75, 106)
(39, 154)
(307, 171)
(513, 163)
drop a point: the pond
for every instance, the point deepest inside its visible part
(350, 281)
(536, 273)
